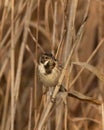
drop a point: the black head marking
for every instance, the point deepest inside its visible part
(45, 57)
(49, 67)
(49, 55)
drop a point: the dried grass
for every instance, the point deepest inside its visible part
(73, 31)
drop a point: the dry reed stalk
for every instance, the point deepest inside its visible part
(58, 112)
(68, 44)
(5, 38)
(47, 28)
(54, 28)
(64, 28)
(4, 16)
(36, 53)
(38, 115)
(69, 37)
(85, 118)
(70, 31)
(101, 36)
(66, 117)
(6, 103)
(59, 116)
(3, 68)
(30, 109)
(66, 105)
(100, 30)
(12, 66)
(3, 50)
(102, 116)
(7, 125)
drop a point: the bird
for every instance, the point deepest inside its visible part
(49, 71)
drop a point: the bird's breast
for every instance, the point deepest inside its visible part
(51, 79)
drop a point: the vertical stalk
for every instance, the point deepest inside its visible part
(12, 65)
(69, 38)
(102, 116)
(70, 31)
(30, 109)
(36, 51)
(54, 28)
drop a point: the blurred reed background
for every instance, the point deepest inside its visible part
(27, 29)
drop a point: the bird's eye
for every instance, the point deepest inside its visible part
(46, 57)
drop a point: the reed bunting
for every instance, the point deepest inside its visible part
(49, 73)
(49, 70)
